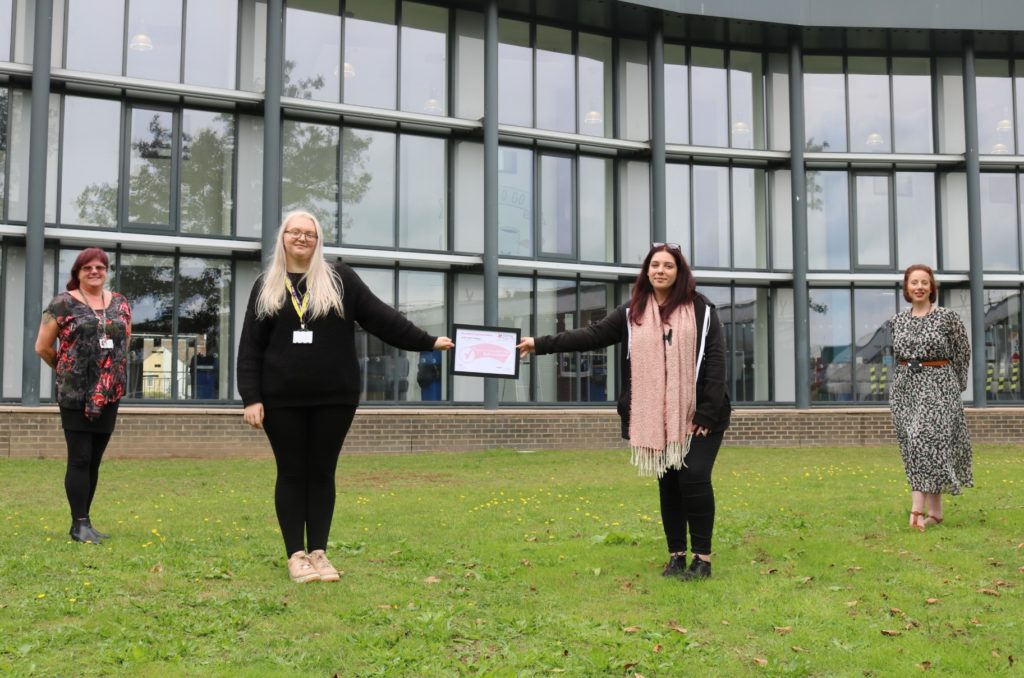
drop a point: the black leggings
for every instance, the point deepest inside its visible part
(306, 443)
(687, 498)
(85, 451)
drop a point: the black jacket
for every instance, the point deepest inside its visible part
(277, 372)
(713, 404)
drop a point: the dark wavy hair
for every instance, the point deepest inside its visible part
(88, 255)
(682, 291)
(933, 294)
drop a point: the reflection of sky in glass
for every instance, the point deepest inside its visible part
(748, 240)
(915, 219)
(206, 172)
(830, 332)
(828, 240)
(596, 209)
(825, 110)
(90, 153)
(872, 221)
(710, 106)
(869, 113)
(1000, 250)
(159, 21)
(6, 19)
(872, 308)
(149, 198)
(995, 116)
(371, 48)
(556, 85)
(371, 220)
(677, 110)
(741, 91)
(912, 110)
(634, 211)
(556, 205)
(309, 172)
(421, 201)
(594, 83)
(514, 310)
(95, 35)
(515, 202)
(677, 206)
(424, 65)
(515, 73)
(710, 216)
(311, 43)
(210, 40)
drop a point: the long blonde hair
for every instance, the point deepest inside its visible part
(323, 284)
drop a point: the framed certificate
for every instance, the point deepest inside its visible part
(485, 351)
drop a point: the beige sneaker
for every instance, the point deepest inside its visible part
(323, 566)
(300, 569)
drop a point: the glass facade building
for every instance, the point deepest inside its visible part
(800, 166)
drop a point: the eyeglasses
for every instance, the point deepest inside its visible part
(99, 268)
(669, 245)
(301, 236)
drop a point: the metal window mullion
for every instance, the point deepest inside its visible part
(237, 82)
(124, 181)
(124, 36)
(339, 181)
(397, 8)
(175, 303)
(184, 40)
(892, 104)
(233, 217)
(177, 147)
(891, 184)
(846, 101)
(396, 217)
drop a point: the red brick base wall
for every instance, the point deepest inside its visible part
(190, 432)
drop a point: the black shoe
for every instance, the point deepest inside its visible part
(81, 531)
(99, 534)
(699, 569)
(676, 566)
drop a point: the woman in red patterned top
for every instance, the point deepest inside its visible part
(92, 326)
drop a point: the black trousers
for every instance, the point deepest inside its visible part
(85, 451)
(688, 500)
(306, 443)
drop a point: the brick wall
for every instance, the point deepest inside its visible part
(193, 432)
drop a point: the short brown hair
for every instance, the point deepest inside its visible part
(934, 294)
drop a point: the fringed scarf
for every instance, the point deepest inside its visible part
(663, 356)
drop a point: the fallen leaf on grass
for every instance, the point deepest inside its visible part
(677, 628)
(896, 612)
(725, 622)
(770, 570)
(891, 632)
(989, 592)
(851, 603)
(806, 580)
(157, 569)
(760, 661)
(526, 563)
(925, 665)
(631, 629)
(432, 580)
(975, 621)
(783, 630)
(797, 648)
(931, 601)
(995, 653)
(386, 606)
(855, 568)
(657, 647)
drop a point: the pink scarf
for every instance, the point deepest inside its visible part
(663, 357)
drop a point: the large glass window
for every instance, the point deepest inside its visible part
(515, 73)
(872, 310)
(677, 96)
(95, 36)
(89, 162)
(634, 211)
(383, 378)
(556, 312)
(912, 104)
(371, 52)
(1002, 344)
(746, 100)
(556, 201)
(831, 335)
(206, 172)
(422, 203)
(424, 59)
(368, 188)
(211, 30)
(594, 73)
(596, 209)
(154, 39)
(148, 280)
(711, 216)
(149, 183)
(6, 18)
(868, 85)
(421, 298)
(710, 114)
(515, 309)
(748, 344)
(915, 219)
(824, 104)
(828, 219)
(312, 51)
(556, 82)
(999, 232)
(677, 206)
(872, 220)
(468, 198)
(203, 360)
(953, 199)
(515, 202)
(309, 173)
(995, 107)
(749, 229)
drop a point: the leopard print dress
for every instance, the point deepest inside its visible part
(927, 411)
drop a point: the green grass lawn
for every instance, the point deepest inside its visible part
(502, 563)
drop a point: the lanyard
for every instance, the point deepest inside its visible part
(300, 309)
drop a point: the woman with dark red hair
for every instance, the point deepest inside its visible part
(91, 326)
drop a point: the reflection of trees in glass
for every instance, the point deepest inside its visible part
(206, 167)
(814, 187)
(309, 179)
(149, 186)
(149, 287)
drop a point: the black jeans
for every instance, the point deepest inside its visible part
(306, 443)
(687, 498)
(85, 451)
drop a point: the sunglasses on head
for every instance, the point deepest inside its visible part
(669, 245)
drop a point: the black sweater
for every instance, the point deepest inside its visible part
(713, 404)
(279, 373)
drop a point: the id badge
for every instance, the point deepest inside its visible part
(106, 343)
(302, 337)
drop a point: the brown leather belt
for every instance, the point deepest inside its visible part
(918, 364)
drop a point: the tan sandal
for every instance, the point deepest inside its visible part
(935, 520)
(915, 516)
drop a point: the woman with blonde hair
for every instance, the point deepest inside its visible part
(299, 378)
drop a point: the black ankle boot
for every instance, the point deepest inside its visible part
(699, 569)
(676, 565)
(101, 535)
(81, 531)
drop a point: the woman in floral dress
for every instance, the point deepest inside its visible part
(932, 359)
(92, 326)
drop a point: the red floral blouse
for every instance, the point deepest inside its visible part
(90, 372)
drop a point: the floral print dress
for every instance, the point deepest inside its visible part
(89, 376)
(927, 411)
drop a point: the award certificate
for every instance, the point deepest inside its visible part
(485, 351)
